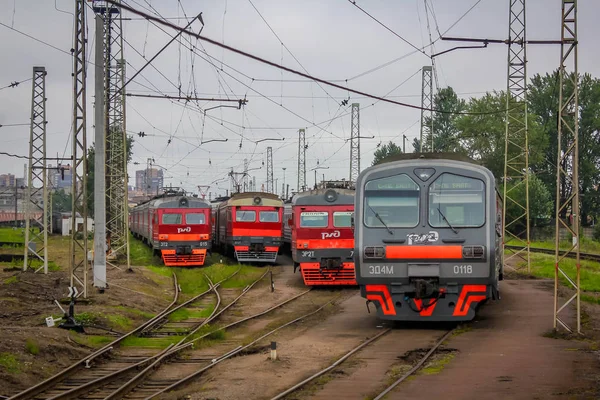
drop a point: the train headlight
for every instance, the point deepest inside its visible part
(163, 237)
(473, 252)
(374, 252)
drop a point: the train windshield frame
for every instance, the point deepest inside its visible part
(195, 219)
(268, 216)
(394, 199)
(314, 219)
(245, 216)
(461, 200)
(172, 218)
(342, 219)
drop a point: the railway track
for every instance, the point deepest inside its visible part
(583, 256)
(114, 378)
(359, 348)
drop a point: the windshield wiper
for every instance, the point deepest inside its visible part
(380, 219)
(446, 219)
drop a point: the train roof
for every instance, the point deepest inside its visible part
(251, 199)
(429, 156)
(324, 197)
(176, 201)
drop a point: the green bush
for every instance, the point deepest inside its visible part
(596, 233)
(32, 347)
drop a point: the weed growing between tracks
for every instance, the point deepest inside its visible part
(9, 362)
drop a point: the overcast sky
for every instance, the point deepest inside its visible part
(332, 39)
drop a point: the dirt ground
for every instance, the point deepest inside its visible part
(31, 352)
(506, 352)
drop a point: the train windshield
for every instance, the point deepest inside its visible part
(171, 219)
(392, 201)
(314, 219)
(342, 219)
(245, 216)
(195, 219)
(459, 199)
(268, 216)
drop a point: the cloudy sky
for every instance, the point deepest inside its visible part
(331, 39)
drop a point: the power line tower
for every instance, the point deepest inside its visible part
(270, 188)
(355, 143)
(516, 152)
(426, 107)
(36, 204)
(246, 187)
(79, 243)
(115, 133)
(301, 161)
(567, 171)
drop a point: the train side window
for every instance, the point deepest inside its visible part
(171, 219)
(342, 219)
(195, 218)
(314, 219)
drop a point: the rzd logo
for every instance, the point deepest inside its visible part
(184, 230)
(327, 235)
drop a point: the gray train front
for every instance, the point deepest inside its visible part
(428, 238)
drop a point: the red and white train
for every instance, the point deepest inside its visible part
(249, 226)
(176, 227)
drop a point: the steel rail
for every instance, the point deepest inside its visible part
(44, 385)
(583, 256)
(236, 351)
(416, 367)
(332, 366)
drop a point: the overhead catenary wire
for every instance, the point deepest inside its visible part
(290, 70)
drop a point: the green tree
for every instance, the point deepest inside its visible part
(445, 131)
(61, 201)
(91, 170)
(386, 151)
(540, 203)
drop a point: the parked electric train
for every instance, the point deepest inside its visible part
(176, 226)
(249, 226)
(428, 234)
(317, 227)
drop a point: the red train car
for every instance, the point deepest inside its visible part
(175, 226)
(318, 228)
(249, 226)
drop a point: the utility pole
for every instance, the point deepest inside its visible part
(37, 176)
(115, 134)
(404, 144)
(301, 160)
(567, 172)
(246, 189)
(79, 244)
(100, 245)
(426, 105)
(283, 184)
(516, 151)
(355, 143)
(270, 188)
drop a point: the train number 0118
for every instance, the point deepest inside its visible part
(463, 269)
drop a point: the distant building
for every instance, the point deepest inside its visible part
(7, 180)
(149, 180)
(60, 178)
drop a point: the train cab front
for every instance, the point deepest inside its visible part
(324, 245)
(184, 237)
(257, 233)
(426, 251)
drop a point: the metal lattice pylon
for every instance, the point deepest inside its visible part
(355, 143)
(516, 155)
(567, 175)
(301, 161)
(79, 239)
(116, 136)
(426, 107)
(270, 188)
(36, 203)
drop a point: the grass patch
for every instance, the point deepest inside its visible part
(32, 347)
(462, 329)
(10, 363)
(436, 366)
(135, 311)
(184, 313)
(12, 279)
(94, 341)
(542, 265)
(86, 318)
(149, 342)
(586, 245)
(119, 321)
(16, 235)
(141, 254)
(590, 299)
